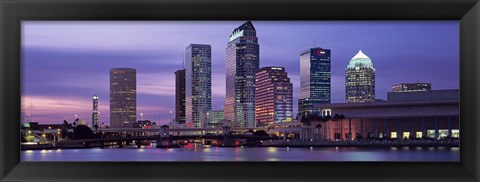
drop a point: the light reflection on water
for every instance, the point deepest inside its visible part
(440, 154)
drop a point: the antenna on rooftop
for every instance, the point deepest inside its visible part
(183, 61)
(314, 41)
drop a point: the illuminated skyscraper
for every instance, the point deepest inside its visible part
(123, 97)
(360, 79)
(95, 111)
(412, 87)
(242, 63)
(198, 81)
(315, 80)
(273, 102)
(180, 96)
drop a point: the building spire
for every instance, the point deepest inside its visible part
(314, 41)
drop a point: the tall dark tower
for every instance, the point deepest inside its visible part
(315, 80)
(242, 63)
(95, 111)
(123, 97)
(180, 96)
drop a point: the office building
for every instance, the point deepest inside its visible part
(123, 97)
(180, 96)
(360, 79)
(412, 87)
(315, 80)
(242, 63)
(274, 96)
(198, 83)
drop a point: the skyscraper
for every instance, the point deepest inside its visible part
(242, 63)
(315, 80)
(123, 97)
(360, 79)
(412, 87)
(95, 111)
(198, 81)
(180, 96)
(273, 102)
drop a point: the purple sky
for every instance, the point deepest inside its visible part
(66, 63)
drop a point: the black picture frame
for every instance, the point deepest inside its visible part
(12, 12)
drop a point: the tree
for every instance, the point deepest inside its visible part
(336, 117)
(326, 118)
(75, 122)
(359, 137)
(82, 132)
(30, 138)
(260, 133)
(23, 138)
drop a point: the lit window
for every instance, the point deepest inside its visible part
(456, 133)
(419, 134)
(431, 133)
(393, 135)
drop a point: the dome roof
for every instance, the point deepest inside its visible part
(360, 60)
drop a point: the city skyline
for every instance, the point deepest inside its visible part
(150, 87)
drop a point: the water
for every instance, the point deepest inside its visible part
(404, 154)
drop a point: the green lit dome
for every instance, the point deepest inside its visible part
(360, 61)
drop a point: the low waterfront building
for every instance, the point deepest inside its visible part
(144, 124)
(405, 115)
(35, 126)
(293, 129)
(412, 87)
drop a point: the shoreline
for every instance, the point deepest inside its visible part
(280, 145)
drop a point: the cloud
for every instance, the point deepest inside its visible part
(160, 83)
(55, 109)
(52, 109)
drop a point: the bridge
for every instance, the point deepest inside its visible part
(163, 134)
(161, 140)
(183, 129)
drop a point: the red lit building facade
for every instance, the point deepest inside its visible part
(273, 102)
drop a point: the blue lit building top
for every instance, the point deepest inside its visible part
(360, 60)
